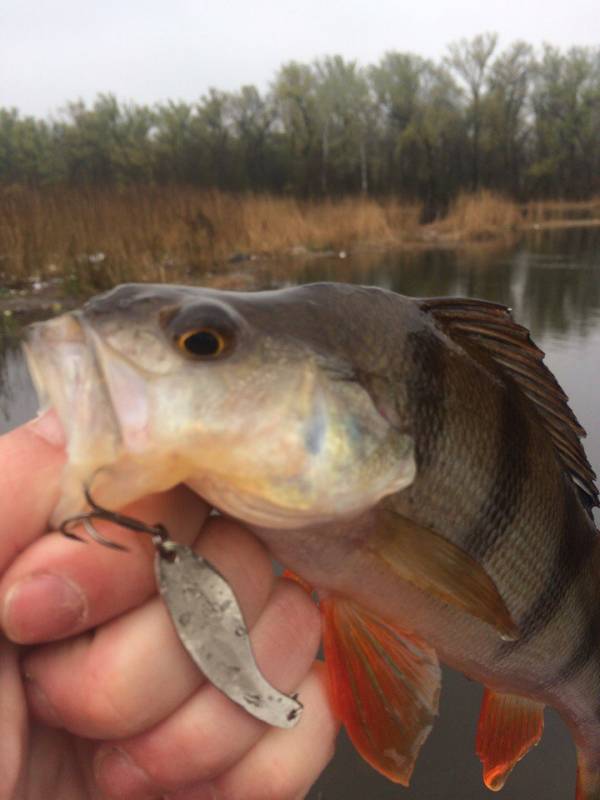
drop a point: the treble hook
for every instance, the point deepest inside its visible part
(158, 532)
(205, 614)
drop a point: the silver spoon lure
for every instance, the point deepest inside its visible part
(206, 616)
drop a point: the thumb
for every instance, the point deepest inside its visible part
(31, 459)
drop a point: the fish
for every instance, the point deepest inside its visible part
(413, 461)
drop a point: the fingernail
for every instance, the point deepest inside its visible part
(118, 776)
(39, 704)
(42, 606)
(47, 426)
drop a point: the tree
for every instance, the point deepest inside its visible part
(470, 60)
(252, 117)
(566, 105)
(26, 150)
(213, 127)
(433, 142)
(107, 144)
(509, 121)
(345, 111)
(507, 129)
(295, 103)
(174, 144)
(395, 83)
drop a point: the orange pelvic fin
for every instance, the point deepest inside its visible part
(588, 778)
(509, 726)
(385, 686)
(292, 576)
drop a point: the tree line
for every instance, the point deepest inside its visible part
(517, 121)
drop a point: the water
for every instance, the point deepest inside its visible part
(552, 281)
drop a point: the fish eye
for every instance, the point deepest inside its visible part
(202, 343)
(203, 331)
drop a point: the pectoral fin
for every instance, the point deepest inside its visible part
(509, 726)
(385, 686)
(439, 567)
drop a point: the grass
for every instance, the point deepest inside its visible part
(481, 216)
(98, 237)
(89, 239)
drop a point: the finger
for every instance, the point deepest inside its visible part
(284, 764)
(208, 734)
(29, 484)
(134, 671)
(13, 720)
(58, 587)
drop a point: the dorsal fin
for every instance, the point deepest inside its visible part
(491, 327)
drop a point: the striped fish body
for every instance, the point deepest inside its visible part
(500, 474)
(414, 460)
(490, 480)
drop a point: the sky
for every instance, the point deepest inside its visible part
(55, 51)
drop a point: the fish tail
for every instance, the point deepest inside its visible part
(588, 777)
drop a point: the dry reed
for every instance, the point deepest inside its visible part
(96, 237)
(481, 216)
(93, 238)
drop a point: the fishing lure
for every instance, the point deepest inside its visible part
(205, 614)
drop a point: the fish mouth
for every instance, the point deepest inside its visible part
(99, 398)
(64, 368)
(94, 390)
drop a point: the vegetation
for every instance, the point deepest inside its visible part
(91, 238)
(481, 216)
(96, 237)
(517, 122)
(333, 155)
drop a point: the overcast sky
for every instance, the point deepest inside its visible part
(52, 51)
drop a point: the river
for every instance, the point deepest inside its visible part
(552, 282)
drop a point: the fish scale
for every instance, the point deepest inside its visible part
(412, 459)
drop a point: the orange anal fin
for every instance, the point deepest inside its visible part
(588, 777)
(291, 576)
(384, 684)
(509, 726)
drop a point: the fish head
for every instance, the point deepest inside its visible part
(241, 396)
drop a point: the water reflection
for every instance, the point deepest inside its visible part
(580, 243)
(552, 280)
(17, 398)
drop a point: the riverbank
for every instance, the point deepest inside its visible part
(70, 242)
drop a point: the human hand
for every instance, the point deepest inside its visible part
(98, 698)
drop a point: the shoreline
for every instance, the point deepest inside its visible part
(562, 224)
(242, 270)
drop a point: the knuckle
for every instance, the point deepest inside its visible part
(103, 710)
(176, 761)
(297, 607)
(300, 616)
(274, 783)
